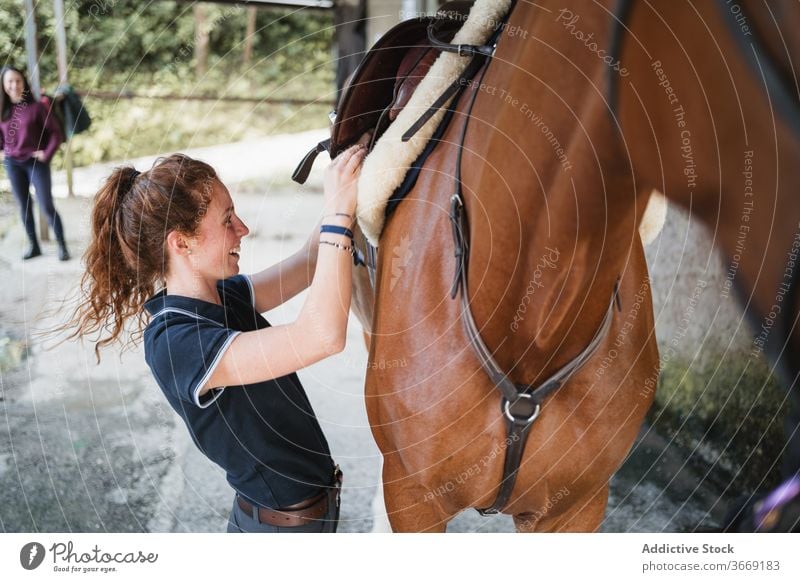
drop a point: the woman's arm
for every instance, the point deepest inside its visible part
(279, 283)
(320, 329)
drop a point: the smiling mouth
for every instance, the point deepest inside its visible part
(235, 252)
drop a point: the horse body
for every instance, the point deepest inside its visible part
(552, 229)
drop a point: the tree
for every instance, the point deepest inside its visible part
(201, 31)
(249, 35)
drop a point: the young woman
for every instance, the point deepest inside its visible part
(29, 136)
(223, 368)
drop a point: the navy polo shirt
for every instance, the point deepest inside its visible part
(264, 435)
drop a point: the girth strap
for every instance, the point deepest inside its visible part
(520, 403)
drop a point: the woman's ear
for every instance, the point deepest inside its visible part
(178, 244)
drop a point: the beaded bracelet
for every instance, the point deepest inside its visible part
(347, 248)
(334, 229)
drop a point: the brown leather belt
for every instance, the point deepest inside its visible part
(310, 510)
(301, 513)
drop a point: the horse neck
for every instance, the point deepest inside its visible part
(701, 129)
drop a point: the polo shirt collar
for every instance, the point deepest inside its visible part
(164, 302)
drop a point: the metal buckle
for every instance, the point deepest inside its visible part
(455, 204)
(512, 418)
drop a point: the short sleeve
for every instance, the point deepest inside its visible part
(240, 286)
(183, 353)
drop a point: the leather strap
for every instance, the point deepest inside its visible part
(480, 55)
(301, 513)
(462, 50)
(474, 66)
(511, 391)
(303, 169)
(520, 403)
(289, 517)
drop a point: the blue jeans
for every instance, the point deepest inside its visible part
(22, 174)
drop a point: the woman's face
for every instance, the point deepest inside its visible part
(14, 85)
(215, 250)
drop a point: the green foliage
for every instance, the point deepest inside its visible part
(147, 48)
(138, 127)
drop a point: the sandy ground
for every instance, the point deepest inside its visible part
(96, 448)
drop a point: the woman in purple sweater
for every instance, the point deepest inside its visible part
(29, 136)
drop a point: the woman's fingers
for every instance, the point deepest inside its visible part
(350, 158)
(355, 160)
(347, 154)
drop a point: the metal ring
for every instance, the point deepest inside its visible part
(512, 418)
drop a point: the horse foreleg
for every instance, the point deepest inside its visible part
(411, 507)
(583, 516)
(380, 521)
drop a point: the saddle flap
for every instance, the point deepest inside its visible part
(413, 68)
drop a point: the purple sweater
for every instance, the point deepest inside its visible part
(30, 127)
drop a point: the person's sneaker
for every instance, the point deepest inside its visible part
(33, 251)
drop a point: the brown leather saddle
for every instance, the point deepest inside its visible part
(384, 81)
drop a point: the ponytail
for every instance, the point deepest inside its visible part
(126, 259)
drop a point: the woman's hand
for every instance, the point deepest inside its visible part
(341, 180)
(40, 156)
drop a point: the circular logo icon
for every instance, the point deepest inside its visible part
(31, 555)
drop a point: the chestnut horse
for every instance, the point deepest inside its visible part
(584, 109)
(547, 186)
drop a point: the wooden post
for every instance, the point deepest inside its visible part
(249, 34)
(32, 48)
(349, 37)
(200, 40)
(63, 79)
